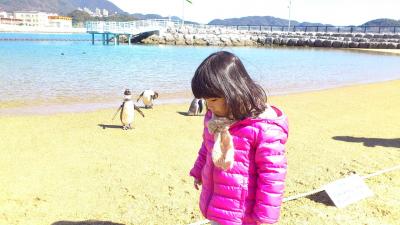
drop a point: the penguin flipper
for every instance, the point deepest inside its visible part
(141, 95)
(122, 111)
(117, 111)
(139, 111)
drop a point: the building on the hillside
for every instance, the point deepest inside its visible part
(60, 21)
(98, 12)
(33, 18)
(88, 11)
(105, 12)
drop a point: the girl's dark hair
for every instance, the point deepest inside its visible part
(222, 75)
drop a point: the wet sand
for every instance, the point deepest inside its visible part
(70, 167)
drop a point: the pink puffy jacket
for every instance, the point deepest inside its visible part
(252, 191)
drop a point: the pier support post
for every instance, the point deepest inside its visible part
(103, 38)
(92, 38)
(107, 39)
(130, 36)
(115, 39)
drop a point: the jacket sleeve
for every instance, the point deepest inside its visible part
(200, 161)
(201, 158)
(271, 169)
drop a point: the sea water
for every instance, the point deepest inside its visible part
(68, 66)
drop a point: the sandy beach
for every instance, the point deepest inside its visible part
(72, 168)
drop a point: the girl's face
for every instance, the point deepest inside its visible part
(218, 106)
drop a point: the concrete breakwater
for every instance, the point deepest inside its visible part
(230, 37)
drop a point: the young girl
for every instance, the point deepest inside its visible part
(241, 164)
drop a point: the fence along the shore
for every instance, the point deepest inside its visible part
(161, 23)
(326, 29)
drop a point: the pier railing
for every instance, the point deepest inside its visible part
(349, 29)
(131, 27)
(322, 29)
(139, 26)
(326, 29)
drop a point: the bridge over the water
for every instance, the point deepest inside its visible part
(129, 29)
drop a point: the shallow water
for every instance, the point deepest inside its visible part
(50, 72)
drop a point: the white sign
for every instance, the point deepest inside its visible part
(348, 190)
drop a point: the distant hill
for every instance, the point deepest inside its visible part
(260, 21)
(80, 17)
(62, 7)
(382, 22)
(312, 24)
(65, 7)
(274, 21)
(140, 16)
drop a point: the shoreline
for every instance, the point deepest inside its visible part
(171, 99)
(4, 28)
(380, 51)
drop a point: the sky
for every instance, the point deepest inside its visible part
(335, 12)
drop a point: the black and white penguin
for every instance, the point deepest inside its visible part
(196, 107)
(128, 108)
(148, 97)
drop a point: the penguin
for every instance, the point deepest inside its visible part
(128, 108)
(202, 105)
(196, 107)
(148, 98)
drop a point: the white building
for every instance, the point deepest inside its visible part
(98, 12)
(105, 12)
(60, 21)
(88, 11)
(8, 18)
(33, 18)
(3, 14)
(10, 21)
(34, 21)
(42, 19)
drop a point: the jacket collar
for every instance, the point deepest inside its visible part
(278, 119)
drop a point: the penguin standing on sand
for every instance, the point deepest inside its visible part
(148, 98)
(196, 107)
(128, 108)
